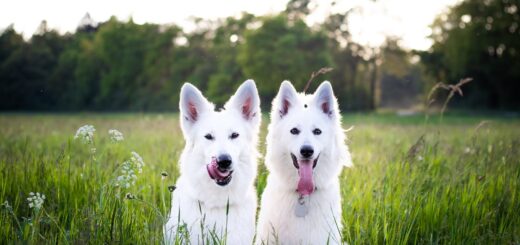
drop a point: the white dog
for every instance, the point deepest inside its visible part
(301, 203)
(215, 195)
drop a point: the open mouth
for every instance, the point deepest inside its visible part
(297, 166)
(305, 171)
(221, 176)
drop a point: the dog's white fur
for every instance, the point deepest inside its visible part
(277, 222)
(198, 199)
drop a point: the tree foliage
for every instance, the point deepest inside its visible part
(281, 50)
(121, 65)
(479, 39)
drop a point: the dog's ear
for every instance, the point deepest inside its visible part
(246, 101)
(192, 105)
(325, 100)
(286, 99)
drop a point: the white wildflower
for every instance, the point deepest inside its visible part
(36, 200)
(468, 150)
(127, 177)
(115, 135)
(129, 171)
(420, 158)
(138, 161)
(85, 134)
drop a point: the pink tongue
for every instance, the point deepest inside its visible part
(305, 184)
(214, 172)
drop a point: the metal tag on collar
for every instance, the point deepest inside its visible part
(301, 209)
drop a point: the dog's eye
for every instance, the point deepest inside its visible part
(234, 135)
(208, 136)
(295, 131)
(316, 131)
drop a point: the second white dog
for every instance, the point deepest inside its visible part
(215, 199)
(301, 203)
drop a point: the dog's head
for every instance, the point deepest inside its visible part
(306, 133)
(217, 142)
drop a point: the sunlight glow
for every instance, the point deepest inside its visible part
(370, 22)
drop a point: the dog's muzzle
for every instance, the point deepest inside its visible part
(219, 169)
(297, 166)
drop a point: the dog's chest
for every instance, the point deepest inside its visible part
(313, 220)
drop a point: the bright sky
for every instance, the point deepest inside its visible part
(373, 20)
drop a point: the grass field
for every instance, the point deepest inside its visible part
(414, 181)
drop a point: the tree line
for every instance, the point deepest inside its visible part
(121, 65)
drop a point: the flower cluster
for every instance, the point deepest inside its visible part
(36, 200)
(137, 161)
(85, 134)
(127, 177)
(129, 170)
(115, 135)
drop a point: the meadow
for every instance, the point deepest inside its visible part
(414, 181)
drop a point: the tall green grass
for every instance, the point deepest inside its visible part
(459, 183)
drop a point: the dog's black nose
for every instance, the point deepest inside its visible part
(306, 151)
(224, 161)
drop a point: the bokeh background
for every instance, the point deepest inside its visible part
(436, 158)
(384, 54)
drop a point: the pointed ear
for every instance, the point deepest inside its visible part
(192, 105)
(325, 100)
(246, 101)
(285, 100)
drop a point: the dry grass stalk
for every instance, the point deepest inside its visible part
(480, 125)
(416, 148)
(453, 88)
(314, 74)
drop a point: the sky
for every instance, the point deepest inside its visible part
(371, 22)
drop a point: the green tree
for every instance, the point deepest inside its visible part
(195, 61)
(120, 48)
(355, 67)
(157, 78)
(229, 36)
(400, 79)
(27, 68)
(280, 50)
(479, 39)
(11, 45)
